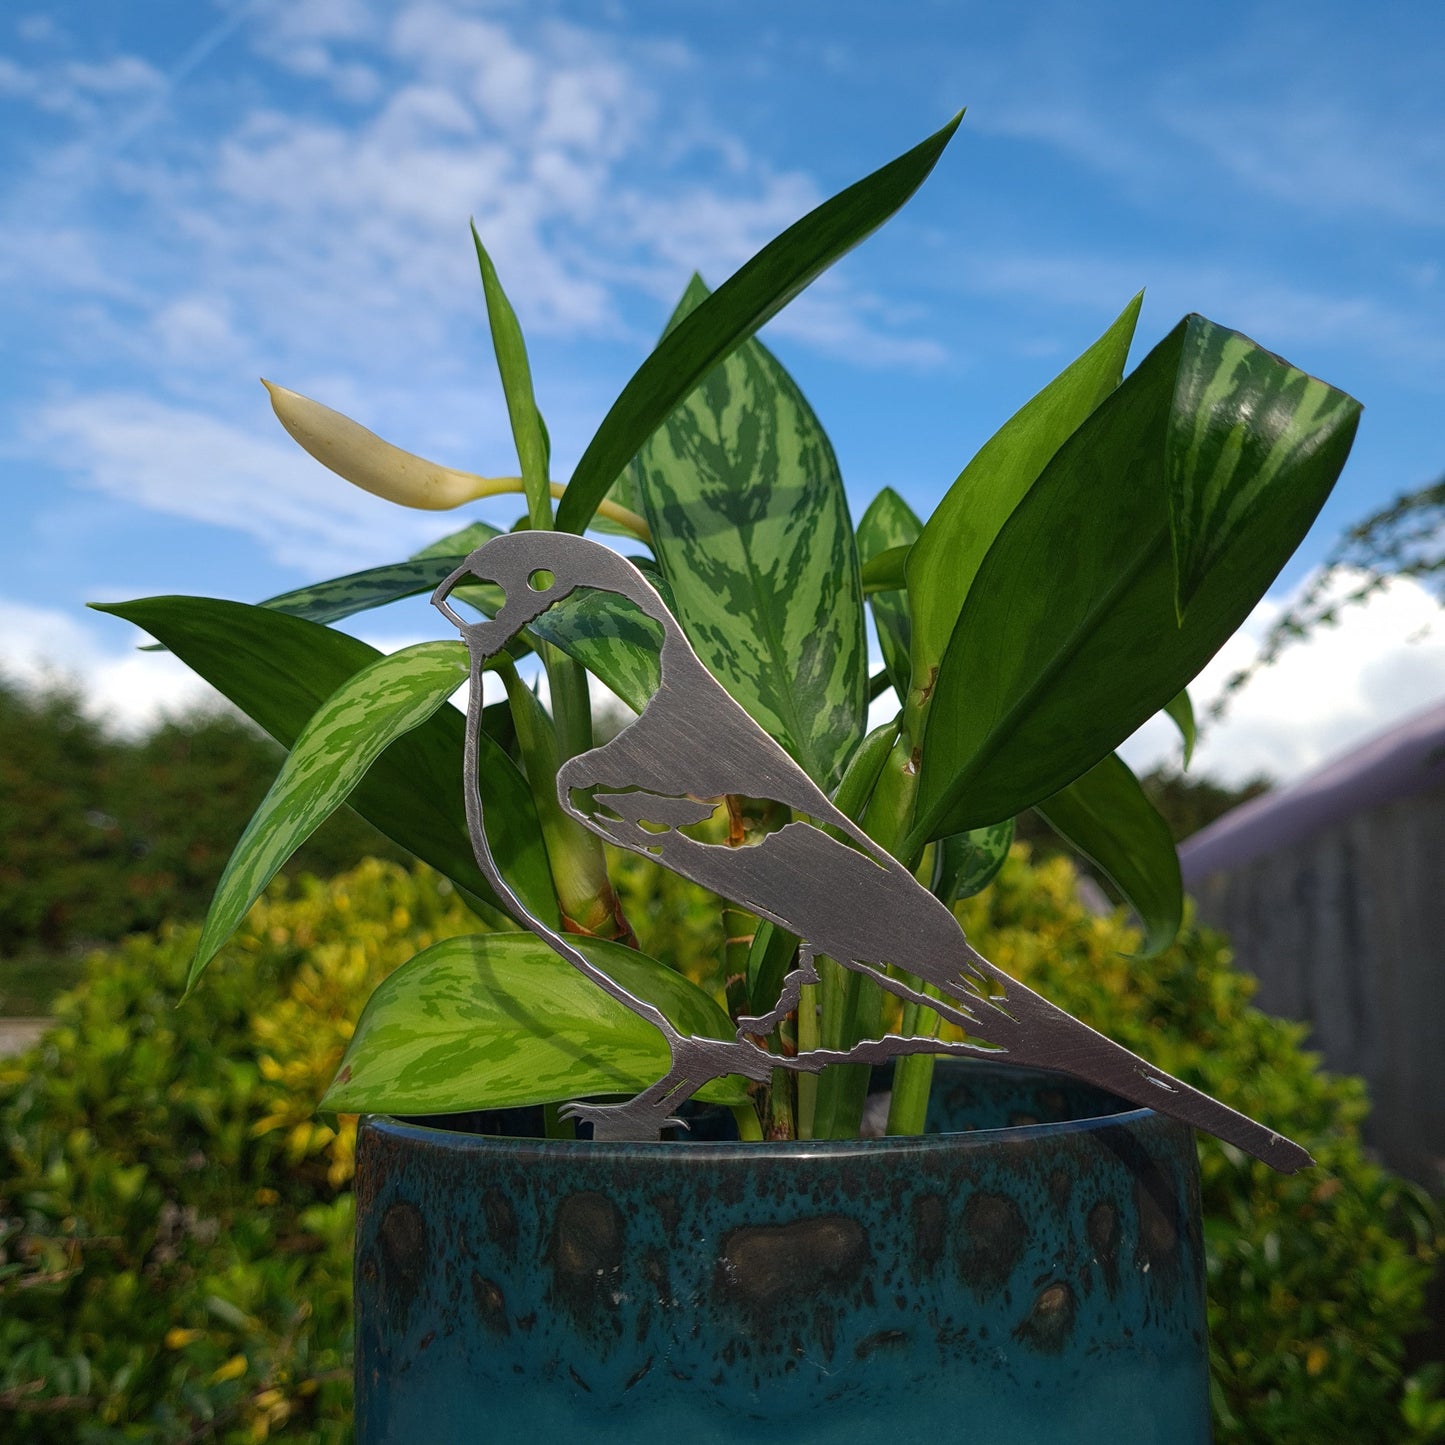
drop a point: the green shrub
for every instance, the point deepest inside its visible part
(175, 1224)
(101, 836)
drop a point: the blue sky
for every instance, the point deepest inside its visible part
(194, 193)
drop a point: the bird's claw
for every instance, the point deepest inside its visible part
(620, 1123)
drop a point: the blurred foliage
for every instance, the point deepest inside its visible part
(175, 1223)
(1186, 801)
(101, 836)
(1404, 538)
(1315, 1279)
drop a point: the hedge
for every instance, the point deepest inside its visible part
(175, 1223)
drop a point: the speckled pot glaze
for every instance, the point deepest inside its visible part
(1020, 1282)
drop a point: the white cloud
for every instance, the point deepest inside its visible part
(188, 464)
(1384, 661)
(125, 689)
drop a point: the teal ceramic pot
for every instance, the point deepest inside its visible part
(1036, 1276)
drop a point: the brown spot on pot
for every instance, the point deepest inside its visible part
(1102, 1228)
(993, 1236)
(501, 1220)
(585, 1252)
(884, 1339)
(491, 1304)
(766, 1265)
(1050, 1322)
(402, 1245)
(1157, 1252)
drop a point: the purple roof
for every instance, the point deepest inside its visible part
(1407, 759)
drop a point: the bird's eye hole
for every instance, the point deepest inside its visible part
(540, 580)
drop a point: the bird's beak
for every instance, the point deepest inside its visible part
(444, 590)
(486, 637)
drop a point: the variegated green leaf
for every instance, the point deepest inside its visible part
(750, 526)
(755, 293)
(459, 544)
(1242, 419)
(967, 863)
(886, 532)
(360, 591)
(1181, 711)
(499, 1020)
(946, 558)
(1106, 816)
(611, 637)
(528, 431)
(368, 711)
(278, 670)
(1070, 637)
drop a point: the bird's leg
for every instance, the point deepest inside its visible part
(695, 1062)
(793, 985)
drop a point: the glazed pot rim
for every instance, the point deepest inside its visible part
(818, 1150)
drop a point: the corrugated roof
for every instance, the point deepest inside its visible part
(1409, 758)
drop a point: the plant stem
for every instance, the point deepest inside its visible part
(503, 486)
(579, 866)
(856, 1010)
(913, 1075)
(750, 1130)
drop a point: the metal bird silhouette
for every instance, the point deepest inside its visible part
(852, 901)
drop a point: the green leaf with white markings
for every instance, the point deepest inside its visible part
(753, 295)
(279, 670)
(1106, 816)
(967, 863)
(360, 591)
(946, 558)
(497, 1021)
(346, 734)
(528, 431)
(461, 543)
(750, 526)
(886, 532)
(1070, 637)
(1242, 421)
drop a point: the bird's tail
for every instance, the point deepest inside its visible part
(1046, 1037)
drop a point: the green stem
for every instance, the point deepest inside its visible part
(856, 1012)
(750, 1129)
(579, 866)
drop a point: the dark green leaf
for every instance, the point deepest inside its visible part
(500, 1020)
(1106, 816)
(1070, 638)
(769, 959)
(967, 863)
(750, 525)
(946, 558)
(750, 297)
(885, 537)
(1181, 710)
(278, 670)
(1242, 419)
(528, 431)
(344, 737)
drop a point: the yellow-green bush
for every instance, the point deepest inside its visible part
(175, 1223)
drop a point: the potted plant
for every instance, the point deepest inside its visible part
(1036, 1276)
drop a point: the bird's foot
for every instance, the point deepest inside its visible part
(622, 1123)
